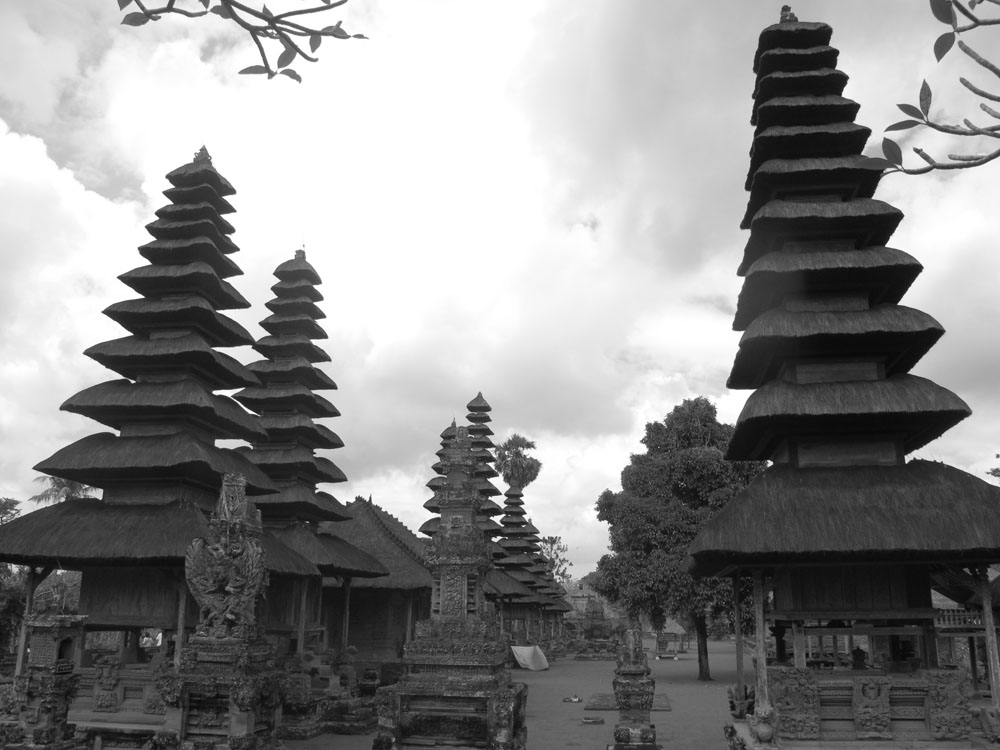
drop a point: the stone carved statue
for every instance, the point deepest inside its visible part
(226, 572)
(871, 707)
(795, 697)
(948, 705)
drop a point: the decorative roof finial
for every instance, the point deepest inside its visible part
(786, 15)
(300, 254)
(202, 157)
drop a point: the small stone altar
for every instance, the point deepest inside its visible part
(634, 689)
(456, 689)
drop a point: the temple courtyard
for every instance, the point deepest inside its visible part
(698, 709)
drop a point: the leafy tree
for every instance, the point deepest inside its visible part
(8, 509)
(516, 467)
(59, 489)
(961, 17)
(555, 551)
(668, 494)
(284, 31)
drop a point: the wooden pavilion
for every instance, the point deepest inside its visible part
(843, 537)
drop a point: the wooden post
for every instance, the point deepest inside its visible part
(973, 663)
(763, 698)
(30, 583)
(345, 622)
(409, 617)
(992, 655)
(740, 682)
(182, 600)
(799, 644)
(300, 647)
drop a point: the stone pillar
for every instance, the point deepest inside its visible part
(634, 695)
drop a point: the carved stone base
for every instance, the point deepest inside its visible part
(630, 735)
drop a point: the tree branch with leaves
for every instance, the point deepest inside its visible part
(963, 18)
(284, 32)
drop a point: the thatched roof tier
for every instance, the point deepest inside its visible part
(191, 212)
(811, 82)
(299, 305)
(286, 397)
(382, 535)
(295, 345)
(806, 142)
(197, 277)
(913, 409)
(329, 553)
(294, 499)
(278, 325)
(920, 511)
(202, 193)
(795, 36)
(136, 356)
(786, 59)
(895, 335)
(173, 252)
(84, 532)
(852, 176)
(884, 272)
(498, 584)
(119, 402)
(863, 221)
(281, 462)
(105, 459)
(297, 369)
(484, 523)
(805, 110)
(297, 288)
(301, 429)
(297, 269)
(189, 312)
(200, 172)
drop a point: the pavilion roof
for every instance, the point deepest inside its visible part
(331, 554)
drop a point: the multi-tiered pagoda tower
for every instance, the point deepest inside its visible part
(456, 687)
(851, 534)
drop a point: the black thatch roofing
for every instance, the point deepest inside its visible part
(922, 511)
(197, 276)
(852, 176)
(913, 408)
(498, 583)
(200, 172)
(82, 532)
(298, 269)
(171, 252)
(297, 288)
(293, 323)
(298, 369)
(330, 554)
(296, 345)
(298, 305)
(296, 461)
(805, 110)
(281, 397)
(864, 221)
(134, 356)
(806, 142)
(791, 35)
(383, 536)
(786, 59)
(119, 402)
(189, 312)
(298, 500)
(194, 211)
(899, 336)
(812, 82)
(105, 459)
(201, 193)
(300, 428)
(884, 272)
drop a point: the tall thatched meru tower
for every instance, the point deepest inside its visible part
(847, 533)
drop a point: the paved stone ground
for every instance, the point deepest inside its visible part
(698, 713)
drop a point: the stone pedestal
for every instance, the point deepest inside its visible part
(634, 695)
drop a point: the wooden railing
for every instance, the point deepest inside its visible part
(957, 618)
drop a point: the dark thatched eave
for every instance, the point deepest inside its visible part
(809, 109)
(297, 462)
(331, 555)
(812, 82)
(194, 211)
(293, 325)
(174, 252)
(297, 288)
(297, 269)
(196, 277)
(286, 397)
(497, 584)
(297, 345)
(914, 409)
(297, 369)
(135, 356)
(303, 502)
(863, 221)
(119, 402)
(922, 511)
(282, 428)
(788, 59)
(141, 316)
(851, 176)
(884, 272)
(200, 172)
(899, 336)
(200, 193)
(301, 305)
(791, 35)
(806, 142)
(104, 460)
(84, 532)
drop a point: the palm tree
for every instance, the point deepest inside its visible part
(59, 489)
(517, 468)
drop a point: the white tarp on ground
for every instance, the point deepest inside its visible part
(530, 657)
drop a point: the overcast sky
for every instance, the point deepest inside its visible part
(536, 200)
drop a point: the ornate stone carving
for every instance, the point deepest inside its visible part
(226, 572)
(795, 697)
(948, 705)
(108, 692)
(870, 701)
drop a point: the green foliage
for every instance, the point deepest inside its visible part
(555, 550)
(668, 494)
(59, 489)
(516, 467)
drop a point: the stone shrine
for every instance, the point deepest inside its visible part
(456, 689)
(633, 688)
